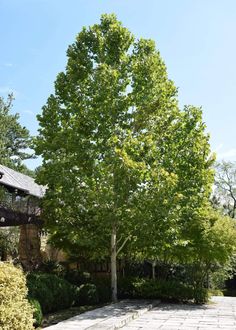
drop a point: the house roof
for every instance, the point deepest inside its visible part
(20, 181)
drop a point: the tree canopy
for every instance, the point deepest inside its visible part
(225, 187)
(14, 138)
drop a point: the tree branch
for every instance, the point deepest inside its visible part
(123, 244)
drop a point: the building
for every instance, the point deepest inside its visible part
(20, 206)
(19, 198)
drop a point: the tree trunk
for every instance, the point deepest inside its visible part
(113, 265)
(154, 270)
(29, 247)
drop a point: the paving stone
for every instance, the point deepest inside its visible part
(220, 314)
(109, 317)
(138, 315)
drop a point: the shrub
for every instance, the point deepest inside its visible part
(200, 295)
(103, 289)
(52, 267)
(38, 315)
(87, 295)
(126, 287)
(15, 310)
(160, 289)
(52, 292)
(216, 292)
(77, 277)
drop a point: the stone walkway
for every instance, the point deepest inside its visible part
(109, 317)
(220, 314)
(143, 315)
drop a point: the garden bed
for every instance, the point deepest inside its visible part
(54, 318)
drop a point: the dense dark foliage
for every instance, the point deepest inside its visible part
(87, 295)
(37, 314)
(166, 290)
(52, 292)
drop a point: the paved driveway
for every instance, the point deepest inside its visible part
(219, 314)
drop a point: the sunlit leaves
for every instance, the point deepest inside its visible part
(117, 149)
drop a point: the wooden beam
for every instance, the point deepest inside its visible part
(10, 218)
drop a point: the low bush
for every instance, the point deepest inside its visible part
(200, 295)
(160, 289)
(52, 292)
(37, 314)
(126, 287)
(15, 310)
(165, 290)
(87, 295)
(216, 292)
(103, 289)
(77, 277)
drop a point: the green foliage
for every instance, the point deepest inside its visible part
(53, 267)
(166, 290)
(15, 310)
(9, 241)
(52, 292)
(9, 236)
(37, 314)
(14, 139)
(217, 243)
(101, 139)
(90, 290)
(120, 158)
(103, 285)
(218, 275)
(117, 144)
(187, 177)
(87, 295)
(216, 292)
(209, 249)
(200, 295)
(220, 235)
(224, 197)
(126, 287)
(77, 277)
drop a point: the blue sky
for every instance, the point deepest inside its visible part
(196, 38)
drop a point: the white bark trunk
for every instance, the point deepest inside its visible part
(154, 270)
(113, 265)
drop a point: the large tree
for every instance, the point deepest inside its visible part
(111, 134)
